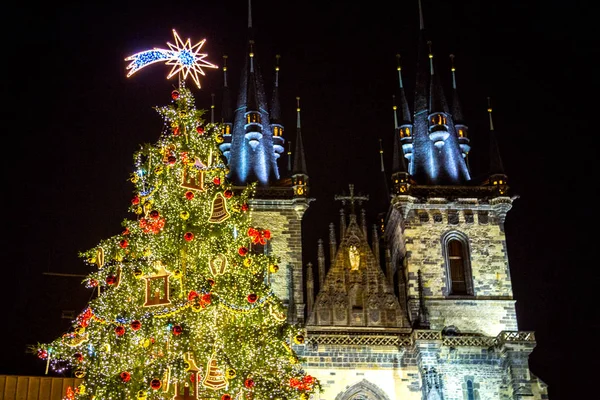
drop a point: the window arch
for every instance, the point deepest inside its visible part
(457, 258)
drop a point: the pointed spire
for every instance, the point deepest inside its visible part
(406, 117)
(299, 159)
(310, 288)
(437, 99)
(375, 240)
(332, 242)
(226, 105)
(421, 23)
(289, 157)
(496, 166)
(275, 109)
(249, 14)
(384, 195)
(321, 263)
(457, 114)
(423, 73)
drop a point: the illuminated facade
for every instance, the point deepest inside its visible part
(419, 306)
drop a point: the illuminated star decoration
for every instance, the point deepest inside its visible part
(185, 59)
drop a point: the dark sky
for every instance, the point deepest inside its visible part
(74, 121)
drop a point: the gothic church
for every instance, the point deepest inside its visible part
(419, 306)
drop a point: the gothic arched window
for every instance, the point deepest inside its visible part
(458, 265)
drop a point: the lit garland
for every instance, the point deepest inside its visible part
(181, 283)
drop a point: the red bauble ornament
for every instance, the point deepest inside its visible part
(135, 200)
(78, 357)
(135, 325)
(217, 180)
(228, 194)
(125, 232)
(200, 130)
(226, 396)
(92, 283)
(249, 383)
(111, 280)
(252, 298)
(125, 376)
(245, 207)
(172, 160)
(189, 195)
(175, 94)
(177, 330)
(154, 214)
(188, 236)
(120, 330)
(211, 282)
(42, 354)
(123, 243)
(242, 251)
(155, 384)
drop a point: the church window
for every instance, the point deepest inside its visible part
(423, 217)
(470, 394)
(453, 217)
(458, 269)
(437, 217)
(469, 216)
(470, 389)
(483, 217)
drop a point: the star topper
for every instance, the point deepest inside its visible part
(184, 58)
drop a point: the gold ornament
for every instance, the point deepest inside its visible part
(218, 264)
(273, 268)
(214, 378)
(100, 257)
(141, 395)
(299, 339)
(184, 215)
(193, 179)
(247, 262)
(219, 211)
(230, 374)
(79, 373)
(157, 287)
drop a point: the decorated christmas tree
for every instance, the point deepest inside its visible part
(182, 307)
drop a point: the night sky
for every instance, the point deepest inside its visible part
(75, 120)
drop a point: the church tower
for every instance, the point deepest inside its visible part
(253, 143)
(424, 309)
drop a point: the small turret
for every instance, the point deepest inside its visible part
(276, 124)
(405, 129)
(299, 174)
(462, 130)
(400, 176)
(497, 176)
(438, 117)
(253, 126)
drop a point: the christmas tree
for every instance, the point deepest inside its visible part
(184, 309)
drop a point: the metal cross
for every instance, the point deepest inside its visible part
(352, 198)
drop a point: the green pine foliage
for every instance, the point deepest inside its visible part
(182, 305)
